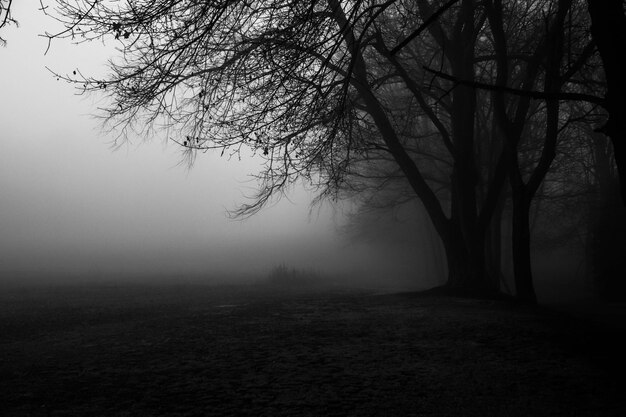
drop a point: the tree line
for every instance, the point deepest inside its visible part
(483, 110)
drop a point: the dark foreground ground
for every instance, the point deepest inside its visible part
(202, 351)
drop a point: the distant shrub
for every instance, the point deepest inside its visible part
(284, 276)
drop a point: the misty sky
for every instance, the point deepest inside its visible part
(71, 204)
(73, 207)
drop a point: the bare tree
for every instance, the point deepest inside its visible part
(608, 28)
(337, 93)
(534, 54)
(289, 80)
(6, 18)
(271, 77)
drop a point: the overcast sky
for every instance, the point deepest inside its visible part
(71, 204)
(73, 208)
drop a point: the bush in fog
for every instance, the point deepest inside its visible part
(284, 276)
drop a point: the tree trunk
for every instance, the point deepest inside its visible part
(493, 247)
(460, 233)
(606, 242)
(467, 272)
(466, 249)
(608, 29)
(522, 271)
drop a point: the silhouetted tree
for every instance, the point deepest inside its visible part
(607, 224)
(325, 91)
(517, 76)
(608, 29)
(542, 64)
(291, 80)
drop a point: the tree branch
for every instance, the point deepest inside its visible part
(423, 26)
(537, 95)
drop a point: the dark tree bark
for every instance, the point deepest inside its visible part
(606, 236)
(512, 127)
(522, 266)
(550, 50)
(493, 247)
(297, 81)
(462, 238)
(608, 29)
(465, 240)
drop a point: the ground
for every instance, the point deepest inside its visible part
(230, 351)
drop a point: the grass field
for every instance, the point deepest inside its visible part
(197, 350)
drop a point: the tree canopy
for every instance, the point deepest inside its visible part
(274, 77)
(464, 101)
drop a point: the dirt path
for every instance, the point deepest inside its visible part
(205, 352)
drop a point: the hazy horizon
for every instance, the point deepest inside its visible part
(75, 208)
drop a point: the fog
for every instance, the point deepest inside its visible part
(76, 208)
(127, 287)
